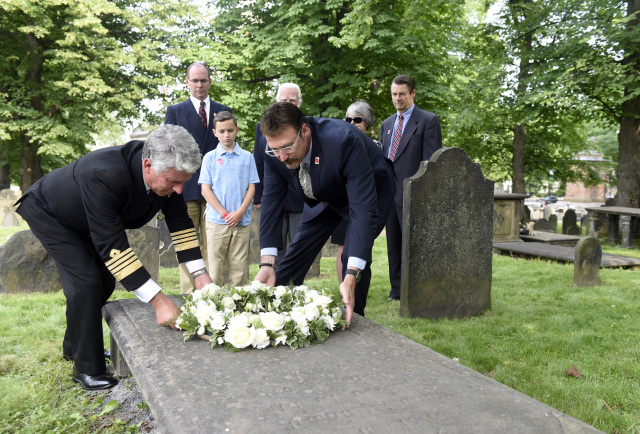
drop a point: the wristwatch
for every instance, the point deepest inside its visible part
(355, 273)
(199, 272)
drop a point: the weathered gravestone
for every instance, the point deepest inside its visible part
(168, 257)
(10, 219)
(447, 246)
(546, 225)
(507, 215)
(25, 266)
(570, 223)
(548, 212)
(7, 198)
(588, 256)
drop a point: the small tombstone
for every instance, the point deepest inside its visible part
(548, 212)
(10, 219)
(544, 225)
(588, 256)
(569, 222)
(526, 216)
(446, 255)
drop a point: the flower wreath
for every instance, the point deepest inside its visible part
(258, 315)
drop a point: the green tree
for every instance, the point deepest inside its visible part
(337, 51)
(67, 66)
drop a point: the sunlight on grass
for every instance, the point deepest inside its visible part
(539, 326)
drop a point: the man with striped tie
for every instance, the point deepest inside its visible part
(196, 116)
(408, 137)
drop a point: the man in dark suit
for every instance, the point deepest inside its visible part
(408, 137)
(294, 202)
(80, 212)
(196, 116)
(343, 174)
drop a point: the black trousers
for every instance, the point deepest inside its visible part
(86, 282)
(394, 248)
(313, 234)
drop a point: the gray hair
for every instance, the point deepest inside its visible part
(172, 147)
(290, 86)
(363, 109)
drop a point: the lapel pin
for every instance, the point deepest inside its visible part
(317, 160)
(388, 131)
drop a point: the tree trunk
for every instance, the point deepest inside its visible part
(30, 167)
(629, 135)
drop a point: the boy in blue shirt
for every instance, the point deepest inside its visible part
(227, 179)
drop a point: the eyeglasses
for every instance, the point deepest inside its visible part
(203, 81)
(357, 119)
(284, 150)
(291, 100)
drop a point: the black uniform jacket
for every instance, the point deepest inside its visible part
(102, 194)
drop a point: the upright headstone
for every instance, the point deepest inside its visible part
(569, 222)
(10, 219)
(447, 246)
(548, 212)
(588, 256)
(546, 225)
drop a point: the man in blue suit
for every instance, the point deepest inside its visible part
(408, 137)
(343, 174)
(294, 202)
(196, 116)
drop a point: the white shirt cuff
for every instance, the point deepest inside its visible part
(273, 251)
(356, 262)
(196, 265)
(147, 291)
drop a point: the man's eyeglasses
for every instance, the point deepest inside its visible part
(291, 100)
(284, 149)
(356, 120)
(203, 81)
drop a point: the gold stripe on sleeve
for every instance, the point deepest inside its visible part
(123, 264)
(185, 240)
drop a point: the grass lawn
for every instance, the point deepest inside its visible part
(538, 327)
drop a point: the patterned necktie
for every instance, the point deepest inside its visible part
(397, 135)
(305, 181)
(203, 115)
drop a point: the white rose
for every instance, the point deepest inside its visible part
(260, 339)
(276, 303)
(240, 336)
(304, 328)
(228, 303)
(311, 312)
(280, 291)
(210, 289)
(322, 300)
(302, 288)
(196, 295)
(256, 284)
(272, 321)
(236, 296)
(200, 330)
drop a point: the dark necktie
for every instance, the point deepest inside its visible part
(397, 135)
(203, 115)
(305, 181)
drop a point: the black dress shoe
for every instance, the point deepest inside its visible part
(69, 357)
(94, 382)
(394, 297)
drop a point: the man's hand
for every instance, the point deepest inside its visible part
(166, 310)
(348, 290)
(203, 280)
(257, 205)
(266, 275)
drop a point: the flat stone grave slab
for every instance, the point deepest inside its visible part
(551, 238)
(366, 379)
(561, 253)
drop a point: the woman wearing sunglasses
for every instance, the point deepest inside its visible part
(360, 114)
